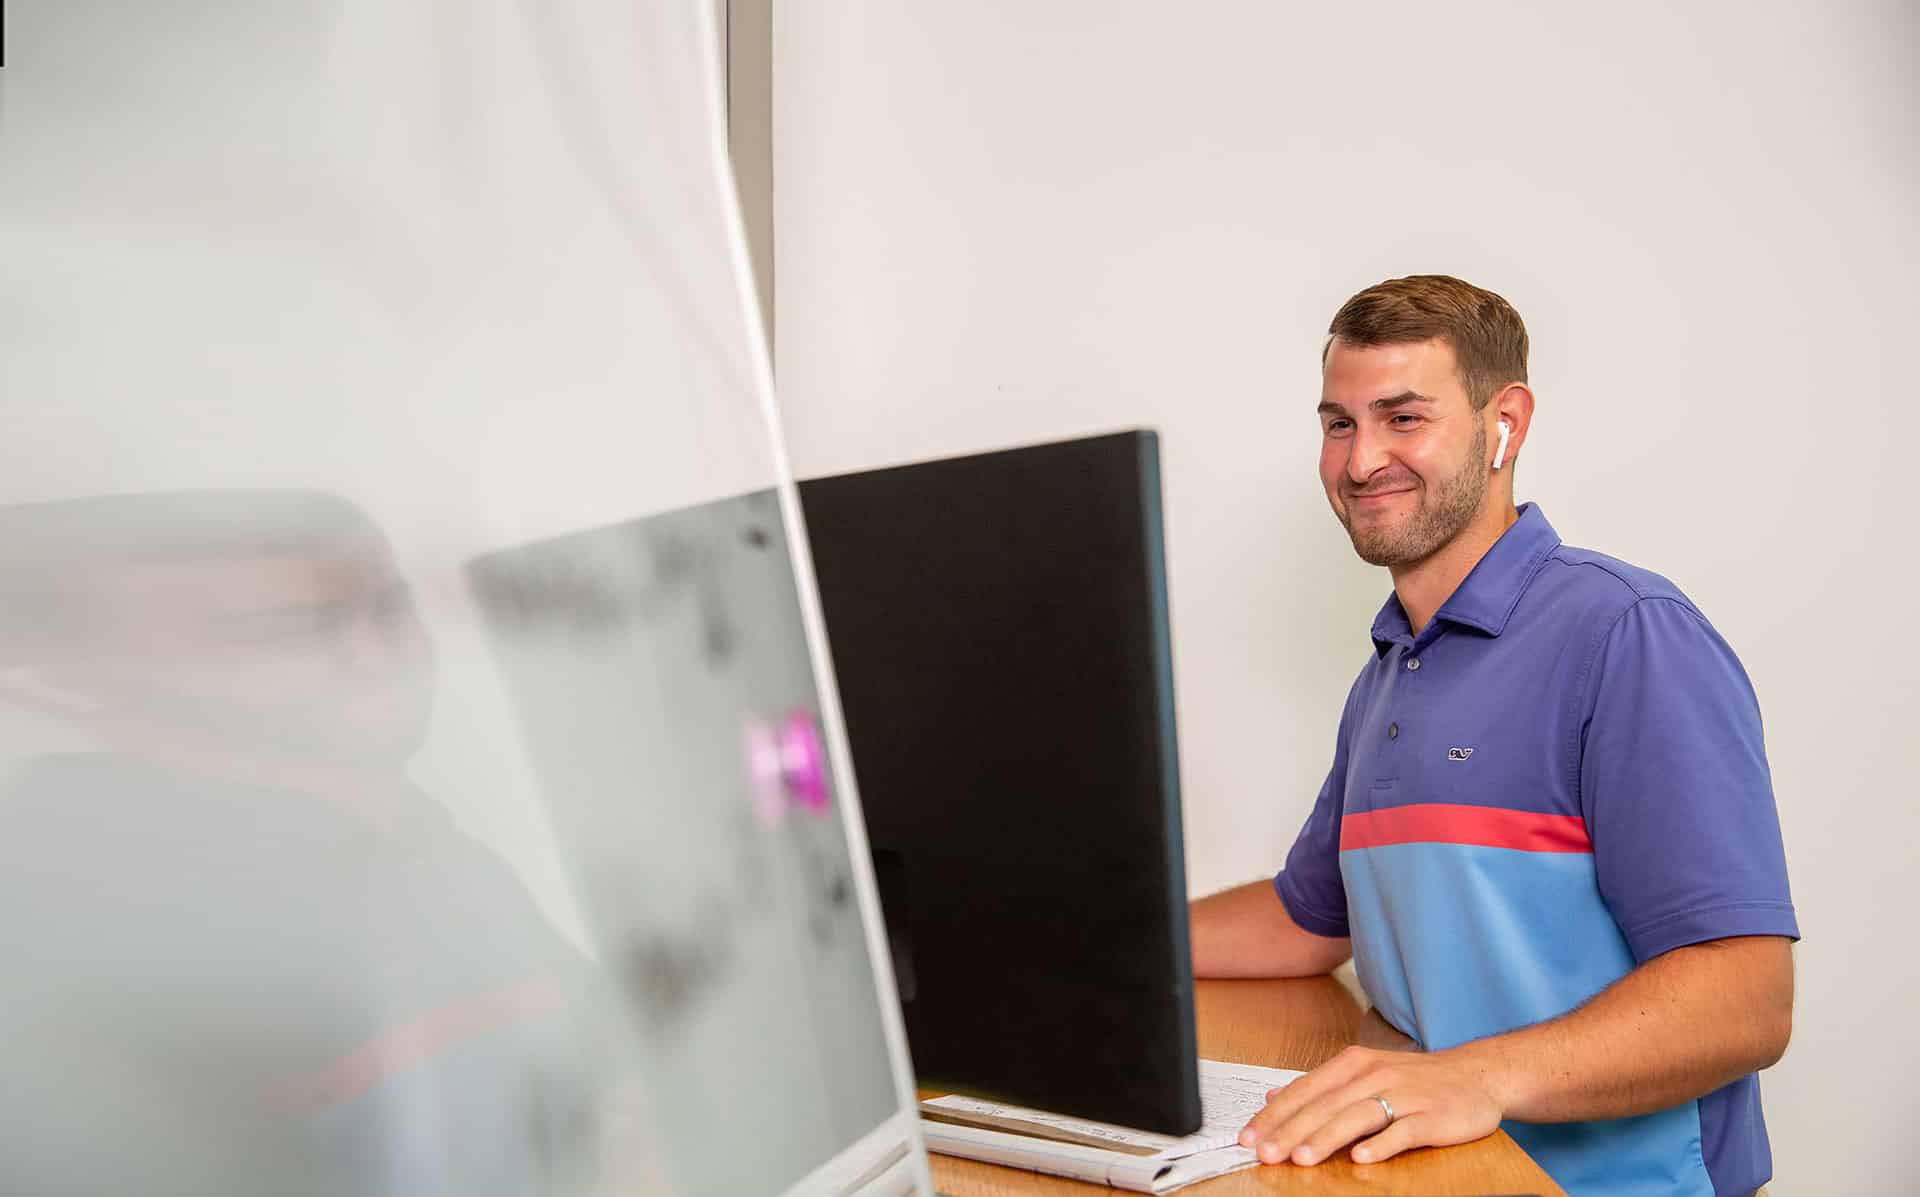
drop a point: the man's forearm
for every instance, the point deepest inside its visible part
(1247, 932)
(1677, 1027)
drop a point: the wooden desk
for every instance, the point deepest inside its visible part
(1288, 1024)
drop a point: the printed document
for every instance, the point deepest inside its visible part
(1120, 1156)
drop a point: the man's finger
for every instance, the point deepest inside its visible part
(1289, 1111)
(1280, 1141)
(1353, 1121)
(1289, 1100)
(1406, 1132)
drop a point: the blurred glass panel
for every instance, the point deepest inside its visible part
(410, 769)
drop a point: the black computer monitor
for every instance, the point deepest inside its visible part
(998, 626)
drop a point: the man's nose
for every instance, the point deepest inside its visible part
(1366, 454)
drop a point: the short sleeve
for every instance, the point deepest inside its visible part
(1675, 788)
(1310, 886)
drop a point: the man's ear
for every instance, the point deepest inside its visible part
(1513, 406)
(42, 690)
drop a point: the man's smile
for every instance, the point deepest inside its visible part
(1377, 498)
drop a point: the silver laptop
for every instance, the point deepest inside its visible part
(420, 767)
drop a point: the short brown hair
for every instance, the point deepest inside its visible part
(1488, 338)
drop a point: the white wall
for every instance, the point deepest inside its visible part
(1003, 222)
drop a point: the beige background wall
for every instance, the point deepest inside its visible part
(1003, 222)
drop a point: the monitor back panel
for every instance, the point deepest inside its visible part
(999, 630)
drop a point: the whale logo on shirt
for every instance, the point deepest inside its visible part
(1459, 754)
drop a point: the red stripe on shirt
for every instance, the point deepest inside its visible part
(403, 1047)
(1451, 823)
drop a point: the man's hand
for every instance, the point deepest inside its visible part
(1679, 1026)
(1437, 1100)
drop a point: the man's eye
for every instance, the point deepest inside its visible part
(1337, 426)
(1405, 420)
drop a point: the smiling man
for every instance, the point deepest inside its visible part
(1548, 839)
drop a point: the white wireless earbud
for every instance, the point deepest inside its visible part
(1500, 454)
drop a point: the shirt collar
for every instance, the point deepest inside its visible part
(1487, 597)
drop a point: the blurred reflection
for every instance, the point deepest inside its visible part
(243, 952)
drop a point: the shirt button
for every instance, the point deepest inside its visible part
(1413, 663)
(1393, 731)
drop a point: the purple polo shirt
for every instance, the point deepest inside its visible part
(1560, 777)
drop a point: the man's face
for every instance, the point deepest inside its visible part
(312, 656)
(1403, 455)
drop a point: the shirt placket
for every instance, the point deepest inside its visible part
(1405, 709)
(1392, 731)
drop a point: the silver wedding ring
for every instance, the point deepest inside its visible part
(1386, 1107)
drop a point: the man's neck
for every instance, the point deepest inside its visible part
(1431, 581)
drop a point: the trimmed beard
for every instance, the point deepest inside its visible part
(1443, 512)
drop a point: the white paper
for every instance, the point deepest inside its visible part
(1230, 1095)
(1138, 1173)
